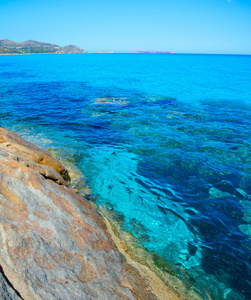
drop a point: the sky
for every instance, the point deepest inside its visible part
(182, 26)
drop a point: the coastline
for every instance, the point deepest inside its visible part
(21, 161)
(161, 279)
(165, 284)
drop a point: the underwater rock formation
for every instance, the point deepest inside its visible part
(53, 243)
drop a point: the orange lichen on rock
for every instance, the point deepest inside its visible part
(87, 272)
(41, 215)
(14, 199)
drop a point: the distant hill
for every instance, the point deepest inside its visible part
(31, 47)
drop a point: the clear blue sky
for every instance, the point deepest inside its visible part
(199, 26)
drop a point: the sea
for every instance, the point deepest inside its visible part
(162, 140)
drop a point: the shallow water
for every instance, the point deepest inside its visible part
(163, 140)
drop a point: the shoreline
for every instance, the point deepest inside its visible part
(43, 210)
(161, 281)
(165, 284)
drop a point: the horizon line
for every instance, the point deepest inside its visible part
(134, 52)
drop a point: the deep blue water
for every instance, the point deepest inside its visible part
(163, 140)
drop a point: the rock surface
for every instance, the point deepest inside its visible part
(53, 243)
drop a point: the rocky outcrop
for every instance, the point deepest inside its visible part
(53, 243)
(33, 157)
(71, 49)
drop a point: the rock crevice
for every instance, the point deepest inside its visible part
(7, 289)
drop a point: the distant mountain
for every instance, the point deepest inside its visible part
(72, 49)
(31, 47)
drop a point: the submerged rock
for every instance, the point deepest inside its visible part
(53, 243)
(218, 194)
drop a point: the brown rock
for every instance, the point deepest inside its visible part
(27, 150)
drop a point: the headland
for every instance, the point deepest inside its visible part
(34, 47)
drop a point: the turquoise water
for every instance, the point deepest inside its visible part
(163, 140)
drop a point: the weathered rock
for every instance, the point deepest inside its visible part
(53, 243)
(7, 291)
(46, 171)
(19, 146)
